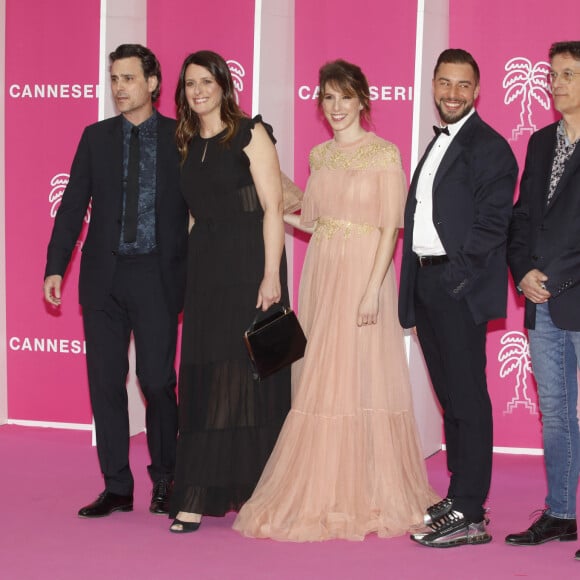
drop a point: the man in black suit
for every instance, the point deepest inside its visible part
(544, 257)
(132, 274)
(453, 281)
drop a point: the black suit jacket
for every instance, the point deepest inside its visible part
(472, 205)
(548, 237)
(97, 174)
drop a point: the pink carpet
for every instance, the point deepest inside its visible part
(48, 474)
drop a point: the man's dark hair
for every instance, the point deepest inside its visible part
(571, 47)
(457, 56)
(149, 62)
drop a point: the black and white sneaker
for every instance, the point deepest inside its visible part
(437, 511)
(453, 530)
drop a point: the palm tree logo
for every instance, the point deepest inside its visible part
(58, 184)
(238, 74)
(514, 355)
(529, 83)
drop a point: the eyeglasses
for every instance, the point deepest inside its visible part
(566, 76)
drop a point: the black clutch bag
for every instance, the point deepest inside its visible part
(274, 342)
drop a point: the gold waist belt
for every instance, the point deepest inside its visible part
(327, 227)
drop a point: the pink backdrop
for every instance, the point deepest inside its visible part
(51, 81)
(514, 100)
(177, 28)
(51, 94)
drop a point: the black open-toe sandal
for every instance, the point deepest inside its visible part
(186, 527)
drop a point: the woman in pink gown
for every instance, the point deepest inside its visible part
(348, 460)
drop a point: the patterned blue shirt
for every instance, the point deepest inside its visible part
(564, 150)
(146, 241)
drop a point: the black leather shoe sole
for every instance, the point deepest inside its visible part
(90, 514)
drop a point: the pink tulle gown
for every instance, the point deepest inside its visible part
(348, 461)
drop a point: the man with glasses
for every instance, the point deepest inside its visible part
(544, 257)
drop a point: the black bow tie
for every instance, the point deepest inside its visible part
(439, 130)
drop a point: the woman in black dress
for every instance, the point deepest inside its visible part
(228, 421)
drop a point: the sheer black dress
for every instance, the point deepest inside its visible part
(228, 422)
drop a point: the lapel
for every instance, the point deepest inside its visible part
(114, 159)
(411, 204)
(571, 168)
(163, 147)
(417, 172)
(545, 156)
(455, 149)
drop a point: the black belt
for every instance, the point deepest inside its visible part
(431, 260)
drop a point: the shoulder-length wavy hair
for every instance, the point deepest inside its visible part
(187, 121)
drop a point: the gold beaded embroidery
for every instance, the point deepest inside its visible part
(328, 227)
(377, 155)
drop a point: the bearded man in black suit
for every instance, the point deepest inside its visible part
(453, 281)
(132, 275)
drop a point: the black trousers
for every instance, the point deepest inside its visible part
(454, 350)
(136, 304)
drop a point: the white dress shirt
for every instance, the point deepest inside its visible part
(426, 241)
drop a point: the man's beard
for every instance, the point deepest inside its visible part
(449, 119)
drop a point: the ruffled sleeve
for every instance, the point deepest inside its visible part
(244, 136)
(390, 184)
(392, 188)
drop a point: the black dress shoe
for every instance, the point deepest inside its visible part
(106, 504)
(160, 497)
(545, 529)
(577, 555)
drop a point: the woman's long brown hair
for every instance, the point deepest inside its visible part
(187, 121)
